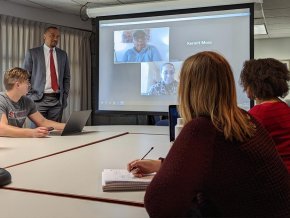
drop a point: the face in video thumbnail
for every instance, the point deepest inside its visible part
(167, 73)
(142, 45)
(162, 81)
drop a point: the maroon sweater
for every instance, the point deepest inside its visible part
(241, 179)
(275, 117)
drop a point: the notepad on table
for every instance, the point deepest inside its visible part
(122, 180)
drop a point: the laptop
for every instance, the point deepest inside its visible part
(172, 115)
(75, 123)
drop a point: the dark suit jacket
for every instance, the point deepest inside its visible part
(34, 63)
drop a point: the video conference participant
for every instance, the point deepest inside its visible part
(141, 52)
(168, 85)
(15, 107)
(265, 80)
(221, 152)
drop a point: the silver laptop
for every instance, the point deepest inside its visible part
(75, 123)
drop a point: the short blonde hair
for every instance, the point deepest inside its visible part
(13, 75)
(207, 88)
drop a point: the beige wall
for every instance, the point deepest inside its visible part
(278, 48)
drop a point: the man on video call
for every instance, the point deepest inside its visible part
(141, 52)
(168, 85)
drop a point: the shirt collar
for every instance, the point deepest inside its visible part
(46, 48)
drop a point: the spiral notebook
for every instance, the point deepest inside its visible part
(122, 180)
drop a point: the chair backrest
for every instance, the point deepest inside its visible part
(164, 122)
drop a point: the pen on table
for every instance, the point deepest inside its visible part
(143, 158)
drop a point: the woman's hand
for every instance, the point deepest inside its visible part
(141, 167)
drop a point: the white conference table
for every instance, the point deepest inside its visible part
(17, 150)
(15, 204)
(76, 173)
(138, 129)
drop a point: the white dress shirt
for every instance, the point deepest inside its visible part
(47, 88)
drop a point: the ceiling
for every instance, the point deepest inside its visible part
(275, 14)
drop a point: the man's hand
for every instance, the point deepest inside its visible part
(39, 132)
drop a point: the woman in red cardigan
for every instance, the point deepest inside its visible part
(265, 80)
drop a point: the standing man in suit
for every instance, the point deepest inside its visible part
(50, 75)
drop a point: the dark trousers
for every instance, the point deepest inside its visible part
(50, 107)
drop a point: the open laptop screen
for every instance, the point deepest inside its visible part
(172, 115)
(75, 123)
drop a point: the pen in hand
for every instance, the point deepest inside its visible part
(143, 158)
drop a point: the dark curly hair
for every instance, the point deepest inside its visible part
(266, 78)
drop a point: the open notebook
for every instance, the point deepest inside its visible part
(122, 180)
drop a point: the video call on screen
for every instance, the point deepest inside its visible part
(140, 58)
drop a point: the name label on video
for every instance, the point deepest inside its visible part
(202, 42)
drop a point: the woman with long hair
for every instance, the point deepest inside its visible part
(221, 152)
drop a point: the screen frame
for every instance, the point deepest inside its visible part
(95, 49)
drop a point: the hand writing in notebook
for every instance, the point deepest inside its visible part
(133, 168)
(139, 168)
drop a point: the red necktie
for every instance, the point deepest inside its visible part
(53, 76)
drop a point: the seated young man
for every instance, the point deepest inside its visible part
(15, 107)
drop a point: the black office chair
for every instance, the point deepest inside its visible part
(161, 121)
(5, 177)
